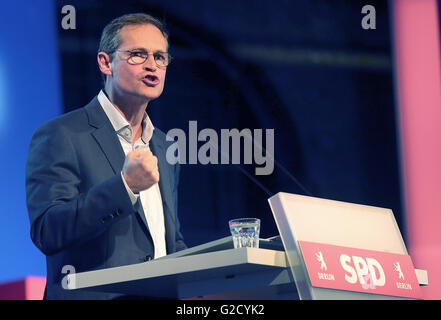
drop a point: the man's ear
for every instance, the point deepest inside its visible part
(104, 63)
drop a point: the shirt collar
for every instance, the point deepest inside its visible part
(119, 122)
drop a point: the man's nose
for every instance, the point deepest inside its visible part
(150, 63)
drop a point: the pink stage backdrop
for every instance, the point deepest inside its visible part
(29, 288)
(418, 85)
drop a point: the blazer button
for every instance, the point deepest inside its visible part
(148, 258)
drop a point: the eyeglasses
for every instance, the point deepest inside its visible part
(162, 59)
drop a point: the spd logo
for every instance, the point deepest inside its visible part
(367, 271)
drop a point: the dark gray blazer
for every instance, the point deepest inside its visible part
(79, 210)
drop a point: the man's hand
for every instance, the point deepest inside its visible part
(140, 170)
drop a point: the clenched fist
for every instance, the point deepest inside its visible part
(140, 170)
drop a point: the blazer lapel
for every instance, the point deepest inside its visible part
(109, 143)
(158, 149)
(105, 135)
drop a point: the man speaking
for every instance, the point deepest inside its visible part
(100, 192)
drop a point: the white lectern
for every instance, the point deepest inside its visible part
(216, 270)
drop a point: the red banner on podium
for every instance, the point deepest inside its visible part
(361, 270)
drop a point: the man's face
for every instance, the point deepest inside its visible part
(146, 80)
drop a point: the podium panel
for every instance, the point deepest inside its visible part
(303, 218)
(214, 270)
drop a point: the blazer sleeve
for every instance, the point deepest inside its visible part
(60, 216)
(180, 244)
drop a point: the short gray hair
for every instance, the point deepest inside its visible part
(110, 39)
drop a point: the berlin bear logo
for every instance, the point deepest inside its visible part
(320, 259)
